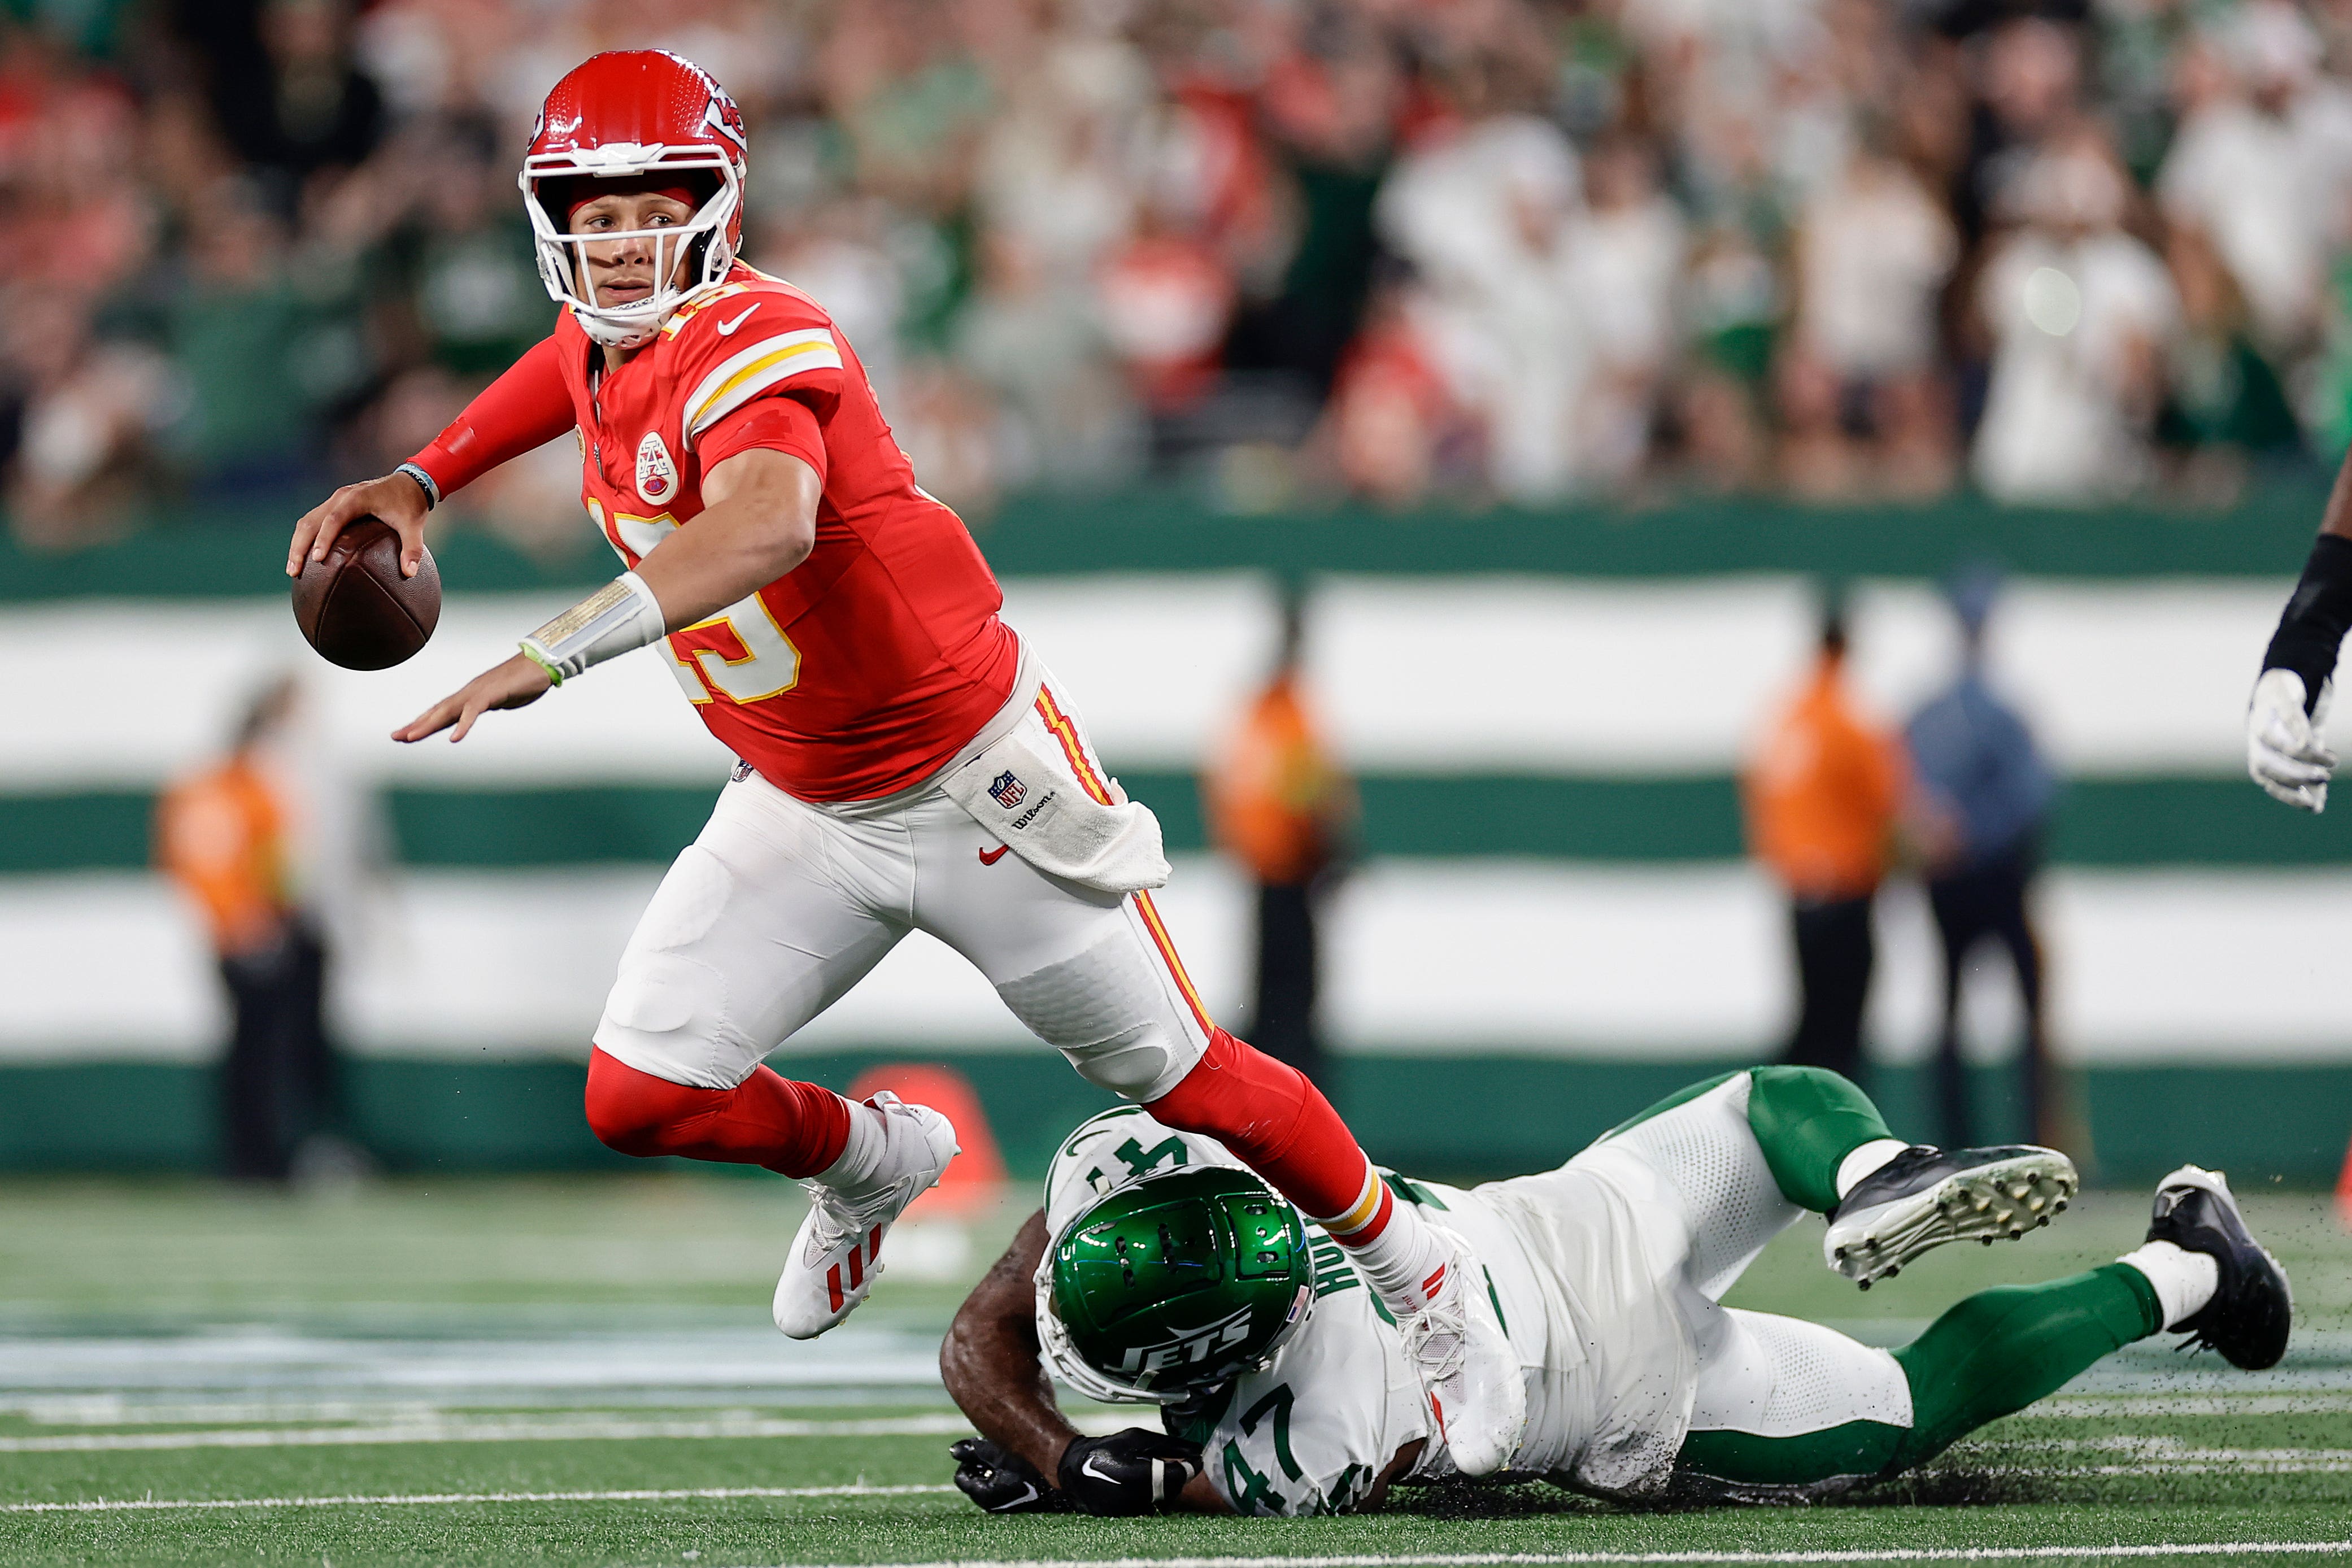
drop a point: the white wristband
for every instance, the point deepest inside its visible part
(621, 616)
(424, 481)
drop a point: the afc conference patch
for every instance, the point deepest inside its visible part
(1008, 790)
(657, 475)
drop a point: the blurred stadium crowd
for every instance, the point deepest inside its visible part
(1519, 249)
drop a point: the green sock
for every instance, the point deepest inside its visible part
(2002, 1349)
(1808, 1120)
(1990, 1356)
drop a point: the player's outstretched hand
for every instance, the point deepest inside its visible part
(516, 683)
(395, 497)
(2284, 750)
(1134, 1471)
(1001, 1481)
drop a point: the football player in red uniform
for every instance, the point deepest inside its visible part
(908, 761)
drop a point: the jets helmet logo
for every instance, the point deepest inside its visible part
(657, 475)
(1186, 1347)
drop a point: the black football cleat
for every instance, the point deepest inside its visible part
(1926, 1196)
(2253, 1306)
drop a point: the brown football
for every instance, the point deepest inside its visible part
(357, 609)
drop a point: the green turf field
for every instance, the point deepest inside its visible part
(569, 1372)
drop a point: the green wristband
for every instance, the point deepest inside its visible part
(554, 676)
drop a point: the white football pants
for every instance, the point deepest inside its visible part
(781, 906)
(1709, 1204)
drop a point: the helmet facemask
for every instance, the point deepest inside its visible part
(703, 241)
(1198, 1277)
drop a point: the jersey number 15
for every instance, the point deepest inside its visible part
(740, 655)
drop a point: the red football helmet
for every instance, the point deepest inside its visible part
(635, 112)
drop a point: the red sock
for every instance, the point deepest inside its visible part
(797, 1128)
(1276, 1121)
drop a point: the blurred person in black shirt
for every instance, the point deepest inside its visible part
(283, 86)
(1977, 760)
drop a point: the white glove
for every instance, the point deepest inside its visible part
(2283, 751)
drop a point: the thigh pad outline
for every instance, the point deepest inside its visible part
(1108, 1012)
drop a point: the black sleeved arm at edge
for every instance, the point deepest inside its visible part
(2311, 630)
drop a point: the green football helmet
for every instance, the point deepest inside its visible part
(1174, 1283)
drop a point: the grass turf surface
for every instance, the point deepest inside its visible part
(452, 1340)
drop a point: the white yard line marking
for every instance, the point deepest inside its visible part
(699, 1494)
(2169, 1454)
(106, 1411)
(2168, 1468)
(2170, 1447)
(2171, 1457)
(1540, 1560)
(2074, 1406)
(479, 1431)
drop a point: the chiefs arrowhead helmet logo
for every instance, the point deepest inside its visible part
(721, 116)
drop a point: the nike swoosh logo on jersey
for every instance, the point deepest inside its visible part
(987, 860)
(727, 328)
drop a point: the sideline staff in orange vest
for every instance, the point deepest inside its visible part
(222, 833)
(1278, 802)
(1822, 800)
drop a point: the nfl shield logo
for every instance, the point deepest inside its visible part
(1009, 791)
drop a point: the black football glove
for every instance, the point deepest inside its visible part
(1001, 1481)
(1134, 1471)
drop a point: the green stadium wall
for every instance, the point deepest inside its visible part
(2266, 533)
(2106, 822)
(1436, 1106)
(1442, 1115)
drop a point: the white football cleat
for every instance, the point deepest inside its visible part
(835, 1258)
(1469, 1373)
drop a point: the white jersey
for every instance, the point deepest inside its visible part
(1608, 1370)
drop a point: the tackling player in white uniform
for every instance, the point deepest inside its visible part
(1158, 1271)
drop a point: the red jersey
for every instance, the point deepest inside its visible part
(868, 666)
